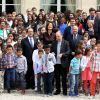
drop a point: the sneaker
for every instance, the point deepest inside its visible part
(50, 94)
(92, 97)
(23, 92)
(72, 94)
(35, 89)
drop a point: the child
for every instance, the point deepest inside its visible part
(9, 61)
(86, 64)
(38, 69)
(1, 69)
(34, 59)
(21, 70)
(96, 69)
(49, 61)
(74, 73)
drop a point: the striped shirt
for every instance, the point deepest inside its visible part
(96, 63)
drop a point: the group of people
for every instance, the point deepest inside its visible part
(42, 51)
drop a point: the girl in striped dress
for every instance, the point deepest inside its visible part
(96, 69)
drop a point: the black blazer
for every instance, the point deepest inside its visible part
(65, 50)
(74, 43)
(67, 32)
(27, 49)
(97, 28)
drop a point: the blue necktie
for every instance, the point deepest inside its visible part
(31, 43)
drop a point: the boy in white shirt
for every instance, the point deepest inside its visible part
(49, 61)
(38, 69)
(34, 58)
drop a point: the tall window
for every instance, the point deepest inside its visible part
(98, 4)
(58, 5)
(10, 5)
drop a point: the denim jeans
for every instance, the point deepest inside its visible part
(48, 82)
(10, 78)
(74, 81)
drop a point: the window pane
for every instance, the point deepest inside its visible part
(48, 1)
(98, 1)
(11, 8)
(49, 5)
(0, 1)
(13, 1)
(68, 5)
(98, 4)
(50, 8)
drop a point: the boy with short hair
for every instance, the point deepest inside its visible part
(34, 59)
(49, 61)
(21, 70)
(38, 69)
(74, 73)
(9, 61)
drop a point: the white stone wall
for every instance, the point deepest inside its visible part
(25, 4)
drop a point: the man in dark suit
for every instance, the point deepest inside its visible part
(97, 25)
(68, 30)
(74, 39)
(61, 49)
(28, 46)
(90, 17)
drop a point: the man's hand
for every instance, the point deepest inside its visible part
(60, 55)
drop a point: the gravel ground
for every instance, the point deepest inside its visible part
(30, 95)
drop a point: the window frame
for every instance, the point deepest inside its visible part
(4, 4)
(58, 5)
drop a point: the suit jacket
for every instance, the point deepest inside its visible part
(65, 50)
(27, 49)
(97, 28)
(74, 43)
(67, 32)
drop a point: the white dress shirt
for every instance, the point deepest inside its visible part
(58, 52)
(84, 61)
(49, 61)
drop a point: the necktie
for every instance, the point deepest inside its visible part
(31, 43)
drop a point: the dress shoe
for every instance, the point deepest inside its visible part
(56, 93)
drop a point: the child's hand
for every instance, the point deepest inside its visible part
(68, 75)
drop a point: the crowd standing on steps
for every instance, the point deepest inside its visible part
(50, 53)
